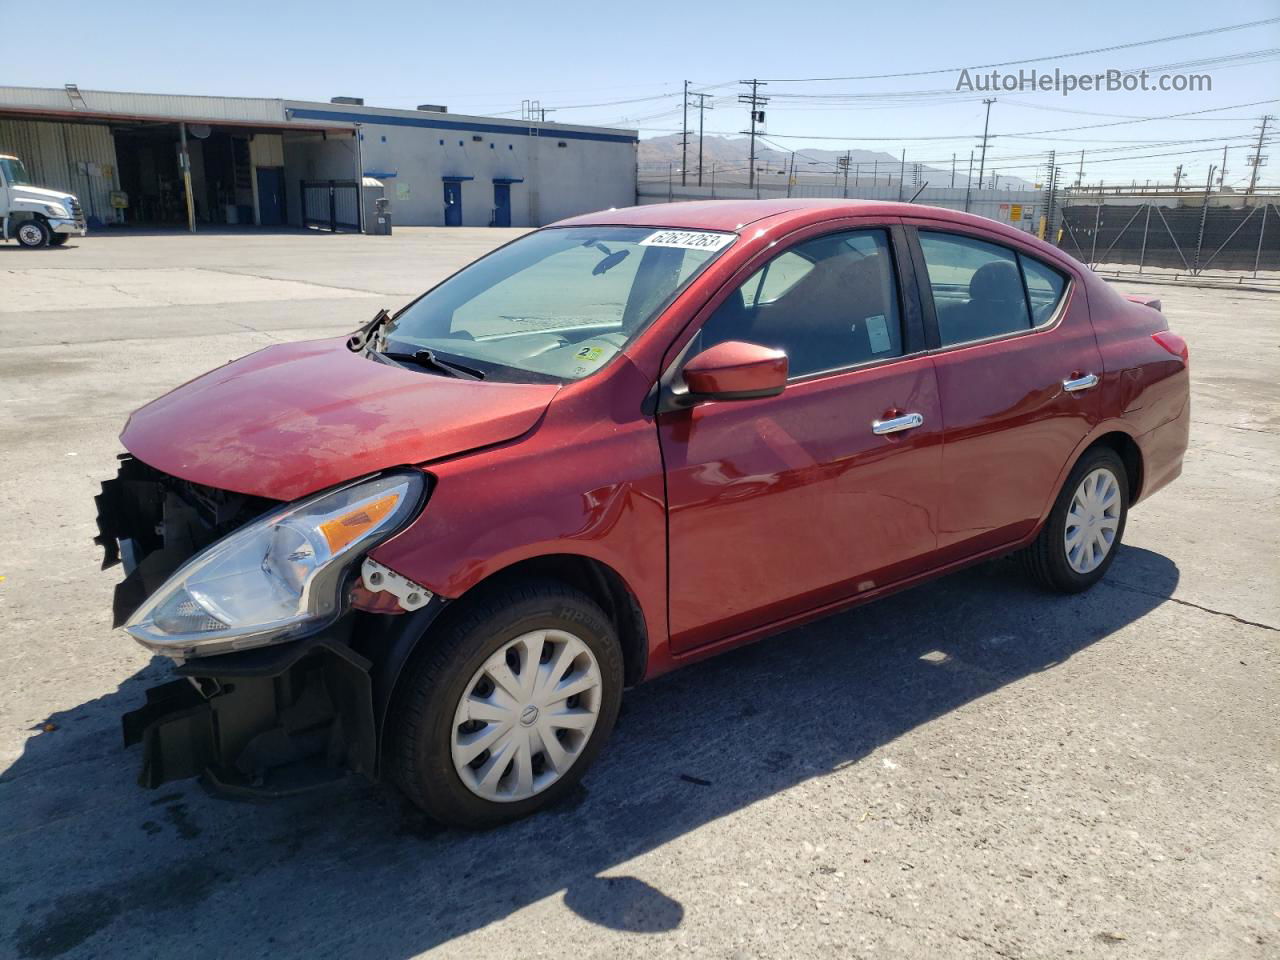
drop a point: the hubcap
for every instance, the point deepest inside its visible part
(1092, 521)
(526, 715)
(30, 234)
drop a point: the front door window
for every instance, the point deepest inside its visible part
(828, 303)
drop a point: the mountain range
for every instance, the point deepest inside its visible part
(729, 155)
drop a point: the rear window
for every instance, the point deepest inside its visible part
(1045, 287)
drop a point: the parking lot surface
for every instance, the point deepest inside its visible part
(970, 769)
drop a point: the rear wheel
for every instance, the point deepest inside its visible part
(1080, 539)
(507, 707)
(33, 233)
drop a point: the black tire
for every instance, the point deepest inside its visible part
(1046, 558)
(58, 239)
(420, 728)
(33, 234)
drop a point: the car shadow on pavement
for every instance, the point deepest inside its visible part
(95, 864)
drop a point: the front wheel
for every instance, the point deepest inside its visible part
(1080, 539)
(33, 234)
(507, 706)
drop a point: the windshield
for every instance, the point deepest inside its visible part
(557, 304)
(15, 174)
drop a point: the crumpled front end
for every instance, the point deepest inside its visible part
(153, 523)
(267, 721)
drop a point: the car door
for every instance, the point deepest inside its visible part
(781, 505)
(1017, 363)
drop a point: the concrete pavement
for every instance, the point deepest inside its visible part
(970, 769)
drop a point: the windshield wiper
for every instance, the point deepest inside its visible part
(425, 358)
(360, 339)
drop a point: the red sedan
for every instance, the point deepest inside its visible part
(438, 550)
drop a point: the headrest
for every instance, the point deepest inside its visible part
(997, 280)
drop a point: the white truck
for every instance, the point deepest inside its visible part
(35, 216)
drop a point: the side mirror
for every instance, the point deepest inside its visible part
(735, 370)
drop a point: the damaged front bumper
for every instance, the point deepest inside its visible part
(267, 722)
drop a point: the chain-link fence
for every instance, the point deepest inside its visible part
(1191, 238)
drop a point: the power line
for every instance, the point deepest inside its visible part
(1029, 133)
(1247, 58)
(1059, 56)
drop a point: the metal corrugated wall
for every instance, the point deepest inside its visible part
(58, 156)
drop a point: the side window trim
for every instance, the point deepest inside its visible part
(910, 302)
(933, 335)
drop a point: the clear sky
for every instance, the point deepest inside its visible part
(583, 59)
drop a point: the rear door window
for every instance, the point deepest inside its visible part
(977, 288)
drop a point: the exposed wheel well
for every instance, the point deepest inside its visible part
(1127, 449)
(603, 585)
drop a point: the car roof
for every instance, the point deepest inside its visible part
(735, 215)
(720, 214)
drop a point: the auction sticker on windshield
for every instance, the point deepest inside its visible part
(688, 239)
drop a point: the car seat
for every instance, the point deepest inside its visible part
(997, 304)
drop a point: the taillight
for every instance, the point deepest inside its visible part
(1173, 343)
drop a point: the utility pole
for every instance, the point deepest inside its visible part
(1204, 215)
(953, 171)
(791, 173)
(843, 164)
(1222, 174)
(184, 161)
(1177, 178)
(902, 172)
(968, 183)
(1257, 159)
(755, 102)
(1050, 196)
(1080, 175)
(684, 139)
(985, 125)
(702, 105)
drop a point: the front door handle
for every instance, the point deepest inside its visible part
(908, 421)
(1071, 385)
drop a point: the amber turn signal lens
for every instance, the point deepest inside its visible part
(340, 531)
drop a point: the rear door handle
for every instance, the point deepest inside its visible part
(1080, 383)
(908, 421)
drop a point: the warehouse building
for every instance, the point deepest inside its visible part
(159, 160)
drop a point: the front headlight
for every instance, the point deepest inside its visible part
(277, 578)
(57, 210)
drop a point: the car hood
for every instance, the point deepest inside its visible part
(296, 418)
